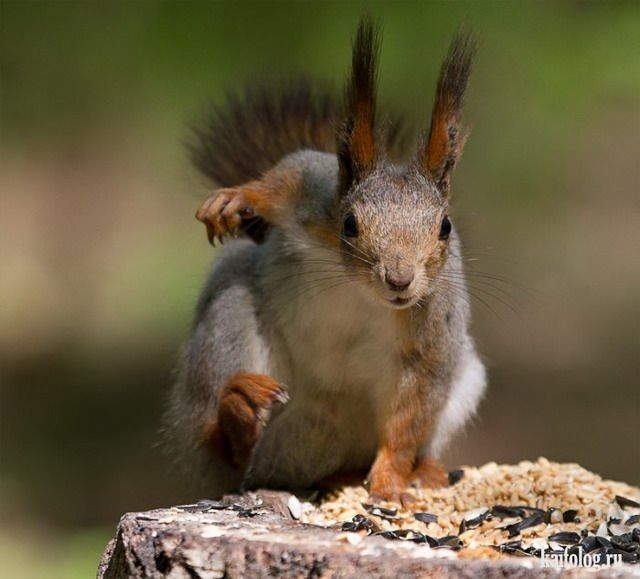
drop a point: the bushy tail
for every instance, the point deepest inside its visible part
(259, 126)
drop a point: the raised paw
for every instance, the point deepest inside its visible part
(429, 473)
(244, 405)
(224, 211)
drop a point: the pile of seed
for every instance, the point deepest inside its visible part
(530, 509)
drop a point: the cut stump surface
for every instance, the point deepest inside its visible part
(254, 535)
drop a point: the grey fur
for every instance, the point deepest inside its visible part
(319, 321)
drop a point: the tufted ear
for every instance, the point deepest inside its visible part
(356, 146)
(439, 152)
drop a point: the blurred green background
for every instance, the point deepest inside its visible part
(102, 258)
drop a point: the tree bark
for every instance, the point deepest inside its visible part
(255, 536)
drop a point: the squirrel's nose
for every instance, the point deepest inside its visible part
(398, 281)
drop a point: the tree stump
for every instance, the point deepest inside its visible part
(254, 535)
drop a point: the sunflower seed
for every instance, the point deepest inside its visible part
(570, 516)
(380, 511)
(455, 476)
(625, 502)
(589, 544)
(503, 512)
(425, 518)
(565, 538)
(450, 542)
(532, 521)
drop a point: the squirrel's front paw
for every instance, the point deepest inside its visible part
(429, 473)
(244, 405)
(386, 483)
(224, 211)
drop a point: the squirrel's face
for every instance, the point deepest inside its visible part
(395, 235)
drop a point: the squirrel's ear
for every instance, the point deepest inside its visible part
(440, 150)
(356, 146)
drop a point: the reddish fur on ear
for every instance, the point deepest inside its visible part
(356, 140)
(438, 156)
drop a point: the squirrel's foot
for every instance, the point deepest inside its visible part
(244, 405)
(387, 482)
(429, 473)
(224, 211)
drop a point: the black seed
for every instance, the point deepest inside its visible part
(192, 509)
(425, 518)
(604, 542)
(455, 476)
(407, 535)
(513, 548)
(575, 550)
(534, 552)
(633, 548)
(623, 542)
(246, 513)
(625, 502)
(532, 510)
(531, 521)
(565, 538)
(476, 521)
(636, 535)
(450, 542)
(589, 544)
(360, 523)
(214, 505)
(380, 511)
(432, 542)
(570, 516)
(503, 512)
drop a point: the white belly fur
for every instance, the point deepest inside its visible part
(337, 353)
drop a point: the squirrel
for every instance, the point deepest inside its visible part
(331, 338)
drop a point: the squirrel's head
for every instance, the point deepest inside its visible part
(395, 227)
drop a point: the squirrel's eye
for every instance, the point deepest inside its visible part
(445, 228)
(350, 226)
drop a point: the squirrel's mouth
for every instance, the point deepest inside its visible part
(401, 303)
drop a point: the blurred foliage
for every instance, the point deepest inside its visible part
(102, 260)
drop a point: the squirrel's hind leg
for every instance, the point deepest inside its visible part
(224, 392)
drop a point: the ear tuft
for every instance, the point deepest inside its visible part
(438, 156)
(356, 139)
